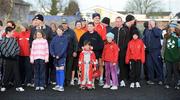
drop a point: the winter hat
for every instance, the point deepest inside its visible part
(95, 14)
(135, 32)
(110, 35)
(129, 18)
(39, 17)
(173, 24)
(106, 20)
(83, 20)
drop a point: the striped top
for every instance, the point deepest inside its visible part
(39, 50)
(9, 47)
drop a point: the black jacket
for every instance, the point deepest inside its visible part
(96, 42)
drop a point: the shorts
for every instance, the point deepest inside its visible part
(60, 62)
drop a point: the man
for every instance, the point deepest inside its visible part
(152, 41)
(106, 22)
(72, 49)
(101, 30)
(39, 24)
(123, 34)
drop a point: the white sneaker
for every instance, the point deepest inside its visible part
(61, 89)
(56, 87)
(132, 85)
(114, 88)
(79, 82)
(3, 89)
(101, 82)
(37, 88)
(122, 84)
(19, 89)
(30, 85)
(138, 85)
(41, 88)
(72, 82)
(106, 86)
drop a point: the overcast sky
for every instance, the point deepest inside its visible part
(118, 5)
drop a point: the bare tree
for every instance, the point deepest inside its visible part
(72, 8)
(6, 8)
(143, 6)
(52, 7)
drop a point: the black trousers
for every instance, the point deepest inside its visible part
(135, 70)
(172, 73)
(2, 64)
(68, 69)
(11, 68)
(124, 68)
(26, 70)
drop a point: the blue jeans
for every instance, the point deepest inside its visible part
(39, 71)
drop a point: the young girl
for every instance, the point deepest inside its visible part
(87, 65)
(110, 58)
(172, 55)
(39, 56)
(135, 56)
(10, 50)
(24, 60)
(58, 49)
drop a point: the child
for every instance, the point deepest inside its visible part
(172, 55)
(87, 65)
(39, 56)
(10, 50)
(110, 58)
(58, 49)
(25, 66)
(135, 56)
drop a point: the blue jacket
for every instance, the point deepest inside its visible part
(152, 39)
(58, 46)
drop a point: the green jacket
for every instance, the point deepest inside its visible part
(172, 51)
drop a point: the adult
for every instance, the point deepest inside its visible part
(152, 40)
(106, 22)
(79, 31)
(101, 30)
(84, 24)
(72, 50)
(123, 34)
(54, 28)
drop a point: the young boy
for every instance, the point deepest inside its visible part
(110, 58)
(87, 65)
(135, 56)
(10, 50)
(58, 49)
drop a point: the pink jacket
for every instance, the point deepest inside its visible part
(39, 50)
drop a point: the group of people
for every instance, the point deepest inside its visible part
(94, 51)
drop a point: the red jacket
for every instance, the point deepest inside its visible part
(110, 52)
(135, 51)
(23, 41)
(101, 29)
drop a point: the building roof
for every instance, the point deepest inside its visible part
(158, 14)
